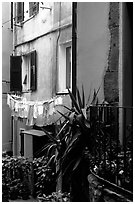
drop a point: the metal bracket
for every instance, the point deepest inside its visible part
(43, 7)
(18, 25)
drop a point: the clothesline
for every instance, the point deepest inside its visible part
(36, 112)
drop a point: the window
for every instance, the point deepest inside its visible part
(20, 12)
(29, 72)
(33, 8)
(65, 67)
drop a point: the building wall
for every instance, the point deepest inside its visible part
(7, 39)
(93, 40)
(41, 33)
(44, 33)
(111, 79)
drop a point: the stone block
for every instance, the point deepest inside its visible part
(111, 87)
(114, 14)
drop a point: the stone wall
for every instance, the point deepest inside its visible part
(111, 77)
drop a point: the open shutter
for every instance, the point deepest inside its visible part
(20, 11)
(15, 73)
(33, 71)
(33, 8)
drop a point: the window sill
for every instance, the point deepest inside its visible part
(27, 91)
(21, 23)
(65, 92)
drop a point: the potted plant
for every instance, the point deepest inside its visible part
(44, 176)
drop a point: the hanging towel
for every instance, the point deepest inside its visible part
(30, 119)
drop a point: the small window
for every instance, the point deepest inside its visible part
(33, 8)
(65, 67)
(29, 72)
(20, 12)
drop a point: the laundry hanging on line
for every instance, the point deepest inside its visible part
(40, 113)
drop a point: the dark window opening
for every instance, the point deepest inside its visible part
(20, 11)
(33, 8)
(22, 144)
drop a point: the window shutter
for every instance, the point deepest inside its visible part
(33, 8)
(15, 73)
(68, 67)
(11, 15)
(33, 72)
(20, 11)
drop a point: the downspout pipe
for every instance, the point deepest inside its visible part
(14, 28)
(74, 47)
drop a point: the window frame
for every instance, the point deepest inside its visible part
(62, 68)
(26, 72)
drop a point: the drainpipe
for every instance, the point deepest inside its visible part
(14, 120)
(74, 47)
(14, 28)
(57, 46)
(120, 71)
(59, 181)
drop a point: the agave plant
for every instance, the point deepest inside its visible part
(67, 147)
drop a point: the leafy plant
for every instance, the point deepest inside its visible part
(66, 148)
(44, 176)
(55, 197)
(15, 177)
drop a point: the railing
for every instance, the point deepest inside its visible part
(113, 153)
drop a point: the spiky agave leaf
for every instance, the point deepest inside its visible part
(50, 160)
(72, 143)
(77, 163)
(94, 97)
(66, 117)
(88, 100)
(51, 137)
(83, 97)
(46, 146)
(79, 98)
(64, 126)
(74, 101)
(51, 148)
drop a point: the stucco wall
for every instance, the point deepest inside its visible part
(6, 52)
(93, 45)
(42, 33)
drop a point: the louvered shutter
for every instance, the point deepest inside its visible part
(20, 11)
(33, 71)
(15, 73)
(33, 8)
